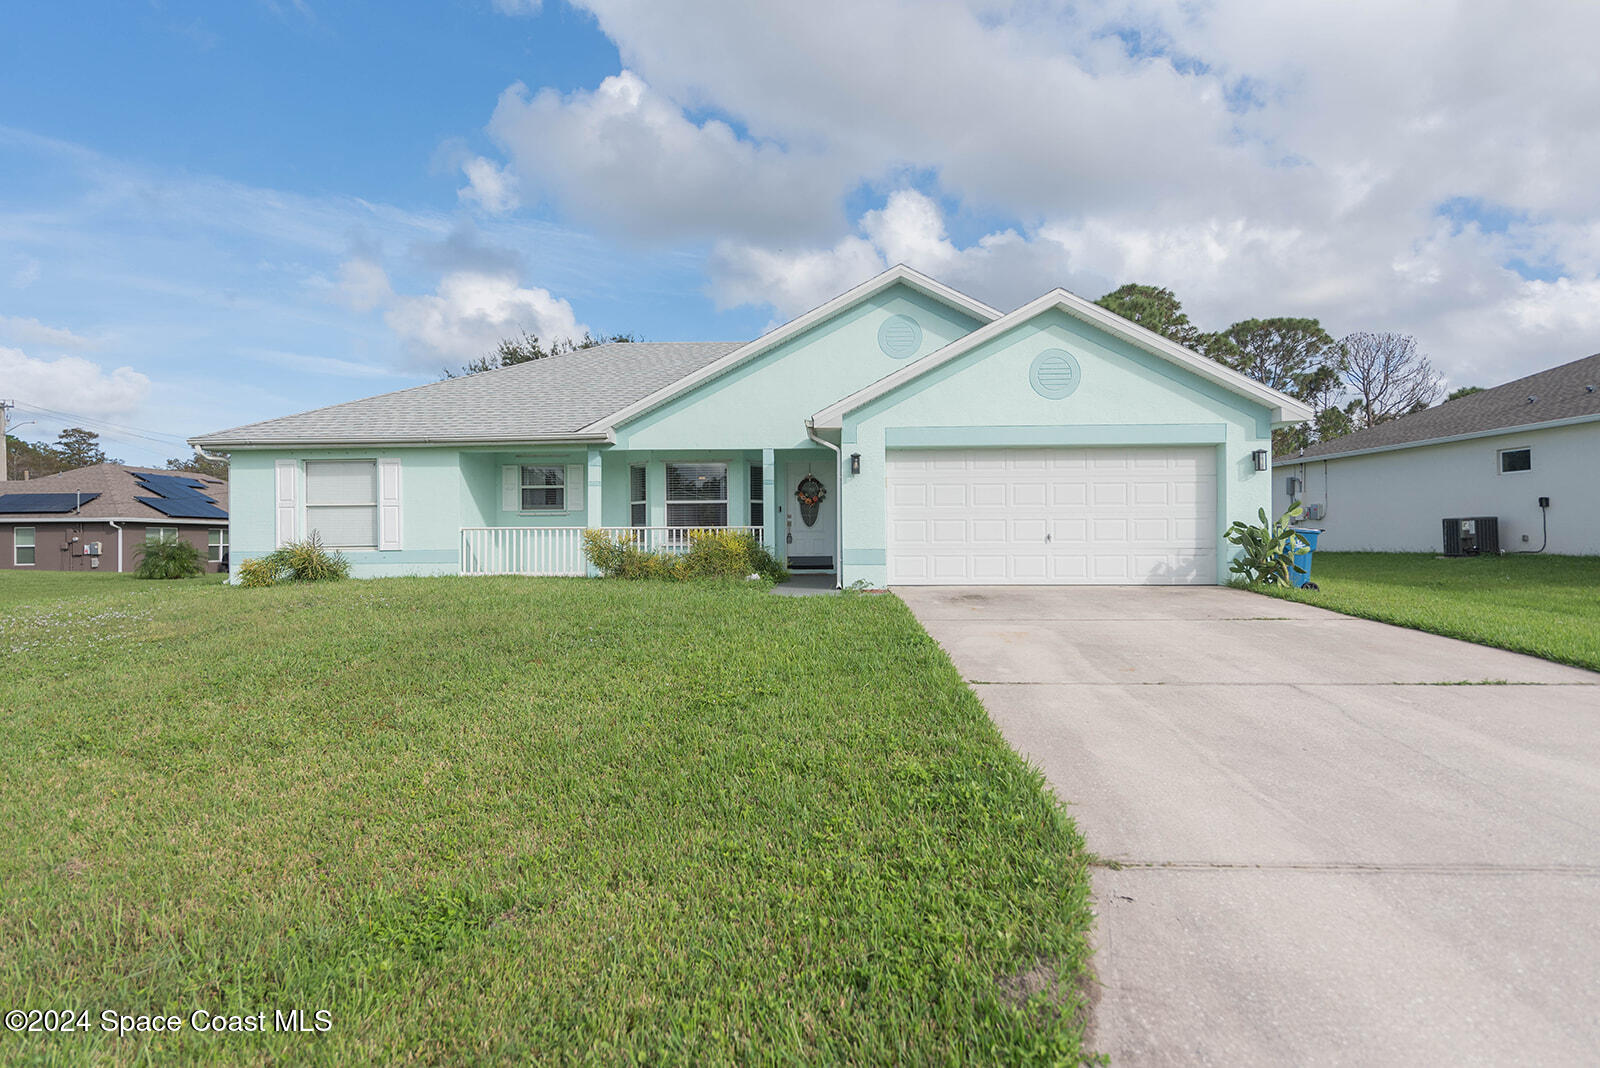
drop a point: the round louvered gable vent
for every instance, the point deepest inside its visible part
(900, 336)
(1054, 374)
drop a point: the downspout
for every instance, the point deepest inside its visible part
(838, 513)
(118, 528)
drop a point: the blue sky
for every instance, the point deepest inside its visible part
(212, 214)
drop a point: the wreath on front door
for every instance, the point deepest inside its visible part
(810, 493)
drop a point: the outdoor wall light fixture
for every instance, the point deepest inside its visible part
(1260, 457)
(855, 463)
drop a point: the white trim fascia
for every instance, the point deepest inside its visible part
(417, 443)
(1521, 428)
(899, 273)
(1285, 409)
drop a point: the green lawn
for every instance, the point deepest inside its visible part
(521, 820)
(1548, 606)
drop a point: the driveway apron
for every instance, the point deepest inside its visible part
(1330, 841)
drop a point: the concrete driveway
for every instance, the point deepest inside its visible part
(1332, 852)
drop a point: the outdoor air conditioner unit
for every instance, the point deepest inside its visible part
(1315, 511)
(92, 549)
(1472, 536)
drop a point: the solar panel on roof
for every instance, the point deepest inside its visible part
(184, 507)
(172, 486)
(42, 503)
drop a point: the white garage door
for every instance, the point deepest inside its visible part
(1053, 516)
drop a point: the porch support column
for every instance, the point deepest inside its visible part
(591, 498)
(769, 495)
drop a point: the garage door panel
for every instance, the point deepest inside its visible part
(1128, 515)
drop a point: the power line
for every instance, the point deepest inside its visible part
(154, 437)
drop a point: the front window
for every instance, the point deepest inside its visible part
(758, 504)
(638, 513)
(544, 489)
(1516, 460)
(697, 495)
(25, 548)
(160, 533)
(217, 545)
(342, 502)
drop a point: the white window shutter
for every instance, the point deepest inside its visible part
(287, 476)
(388, 504)
(577, 484)
(511, 488)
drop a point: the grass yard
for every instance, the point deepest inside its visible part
(521, 821)
(1548, 606)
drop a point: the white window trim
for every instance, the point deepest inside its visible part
(523, 484)
(154, 533)
(1500, 460)
(221, 544)
(723, 500)
(33, 535)
(310, 509)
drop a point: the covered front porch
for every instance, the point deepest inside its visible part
(528, 508)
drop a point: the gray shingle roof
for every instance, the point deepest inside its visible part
(539, 399)
(118, 494)
(1566, 392)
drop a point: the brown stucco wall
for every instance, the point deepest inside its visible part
(56, 551)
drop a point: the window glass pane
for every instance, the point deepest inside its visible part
(25, 536)
(758, 513)
(216, 544)
(636, 483)
(697, 515)
(637, 515)
(161, 533)
(25, 554)
(1516, 460)
(697, 482)
(756, 487)
(341, 482)
(543, 488)
(24, 545)
(345, 527)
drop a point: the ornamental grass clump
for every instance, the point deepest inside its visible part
(298, 561)
(710, 553)
(168, 559)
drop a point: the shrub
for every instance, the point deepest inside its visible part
(1268, 548)
(710, 554)
(298, 561)
(160, 559)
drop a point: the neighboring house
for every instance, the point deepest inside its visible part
(1491, 454)
(96, 518)
(932, 439)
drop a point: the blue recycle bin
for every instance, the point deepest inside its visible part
(1300, 567)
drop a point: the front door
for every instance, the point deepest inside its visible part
(808, 515)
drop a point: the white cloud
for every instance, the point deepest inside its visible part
(468, 314)
(517, 7)
(21, 331)
(72, 384)
(626, 160)
(492, 188)
(1259, 158)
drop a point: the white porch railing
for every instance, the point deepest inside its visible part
(558, 550)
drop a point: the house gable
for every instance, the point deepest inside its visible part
(764, 401)
(993, 387)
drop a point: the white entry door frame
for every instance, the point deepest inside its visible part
(810, 546)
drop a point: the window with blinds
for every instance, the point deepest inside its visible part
(758, 503)
(697, 495)
(638, 513)
(544, 489)
(342, 502)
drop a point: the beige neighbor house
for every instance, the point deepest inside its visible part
(96, 518)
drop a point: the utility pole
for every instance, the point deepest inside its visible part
(5, 445)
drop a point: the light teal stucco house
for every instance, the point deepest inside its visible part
(901, 433)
